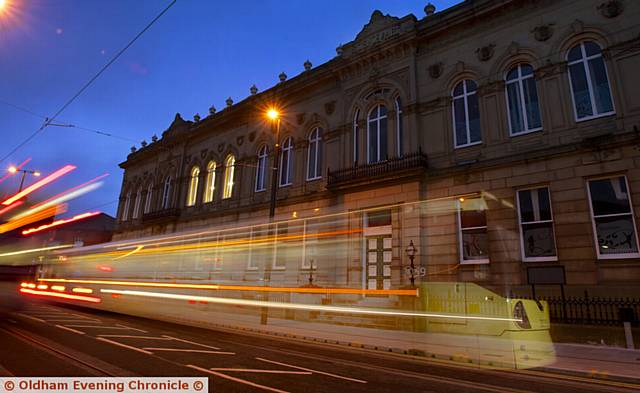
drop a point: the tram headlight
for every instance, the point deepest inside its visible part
(520, 314)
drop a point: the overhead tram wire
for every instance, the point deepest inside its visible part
(49, 120)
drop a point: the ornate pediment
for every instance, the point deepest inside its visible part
(178, 125)
(379, 29)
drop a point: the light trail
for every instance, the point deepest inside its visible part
(46, 213)
(70, 190)
(293, 306)
(326, 291)
(59, 200)
(55, 175)
(60, 222)
(10, 207)
(61, 295)
(7, 254)
(129, 253)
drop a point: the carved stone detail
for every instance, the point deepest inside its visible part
(486, 52)
(577, 26)
(543, 32)
(300, 118)
(330, 107)
(491, 87)
(203, 153)
(240, 140)
(623, 48)
(611, 8)
(435, 70)
(220, 147)
(252, 136)
(550, 69)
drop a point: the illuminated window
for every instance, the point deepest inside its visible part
(229, 169)
(472, 231)
(166, 193)
(466, 114)
(136, 204)
(210, 182)
(589, 82)
(147, 202)
(537, 237)
(192, 193)
(261, 170)
(125, 210)
(523, 108)
(356, 135)
(399, 126)
(286, 162)
(377, 134)
(314, 155)
(612, 217)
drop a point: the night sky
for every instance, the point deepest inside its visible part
(198, 54)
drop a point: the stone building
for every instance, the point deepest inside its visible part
(523, 114)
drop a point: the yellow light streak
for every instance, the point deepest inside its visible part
(326, 291)
(7, 254)
(82, 290)
(58, 288)
(129, 253)
(294, 306)
(41, 215)
(42, 286)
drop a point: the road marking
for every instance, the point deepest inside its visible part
(189, 350)
(98, 327)
(314, 371)
(123, 345)
(68, 320)
(126, 336)
(30, 317)
(221, 375)
(253, 370)
(69, 329)
(130, 328)
(190, 342)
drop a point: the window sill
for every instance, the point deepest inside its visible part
(540, 259)
(475, 262)
(512, 135)
(262, 190)
(279, 268)
(468, 145)
(593, 117)
(314, 179)
(618, 256)
(285, 185)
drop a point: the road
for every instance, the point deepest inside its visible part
(55, 340)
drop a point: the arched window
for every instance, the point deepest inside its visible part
(210, 182)
(261, 170)
(377, 134)
(192, 193)
(127, 205)
(466, 114)
(523, 107)
(356, 135)
(286, 162)
(589, 81)
(314, 156)
(166, 193)
(229, 169)
(399, 127)
(136, 204)
(147, 202)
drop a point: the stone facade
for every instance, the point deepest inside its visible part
(413, 67)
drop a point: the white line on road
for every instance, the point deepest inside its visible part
(265, 371)
(127, 336)
(30, 317)
(314, 371)
(98, 327)
(221, 375)
(130, 328)
(123, 345)
(69, 320)
(69, 329)
(190, 342)
(190, 350)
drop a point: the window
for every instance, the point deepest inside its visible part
(613, 222)
(314, 156)
(589, 81)
(210, 182)
(229, 169)
(125, 210)
(166, 193)
(136, 204)
(192, 194)
(356, 135)
(399, 121)
(261, 170)
(286, 162)
(377, 134)
(147, 202)
(466, 114)
(523, 107)
(537, 237)
(472, 225)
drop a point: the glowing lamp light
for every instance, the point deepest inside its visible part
(36, 173)
(12, 168)
(55, 175)
(24, 284)
(273, 114)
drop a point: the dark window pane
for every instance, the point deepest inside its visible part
(581, 97)
(575, 53)
(460, 122)
(471, 86)
(538, 240)
(373, 141)
(616, 235)
(591, 48)
(532, 106)
(383, 110)
(600, 84)
(378, 218)
(475, 244)
(513, 74)
(312, 161)
(472, 218)
(458, 90)
(515, 112)
(474, 118)
(319, 160)
(534, 205)
(383, 139)
(609, 196)
(526, 69)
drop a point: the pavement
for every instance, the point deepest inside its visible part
(54, 340)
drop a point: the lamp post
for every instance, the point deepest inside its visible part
(411, 253)
(13, 169)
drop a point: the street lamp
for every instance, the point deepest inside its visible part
(13, 169)
(411, 253)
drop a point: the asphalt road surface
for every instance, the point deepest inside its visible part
(54, 340)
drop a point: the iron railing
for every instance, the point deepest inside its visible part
(160, 215)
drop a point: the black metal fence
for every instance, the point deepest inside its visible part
(589, 310)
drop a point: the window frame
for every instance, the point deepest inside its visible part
(261, 168)
(483, 261)
(126, 207)
(315, 142)
(166, 193)
(378, 119)
(229, 174)
(521, 100)
(584, 59)
(593, 219)
(136, 205)
(523, 256)
(210, 182)
(356, 134)
(287, 148)
(148, 199)
(192, 191)
(465, 97)
(399, 126)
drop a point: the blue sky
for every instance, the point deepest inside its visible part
(198, 54)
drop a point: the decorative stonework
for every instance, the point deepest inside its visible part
(154, 138)
(229, 102)
(133, 149)
(550, 69)
(330, 107)
(486, 52)
(611, 8)
(240, 140)
(577, 26)
(252, 136)
(491, 87)
(196, 117)
(143, 143)
(307, 65)
(623, 48)
(212, 110)
(300, 118)
(203, 153)
(282, 77)
(220, 147)
(435, 70)
(253, 90)
(543, 32)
